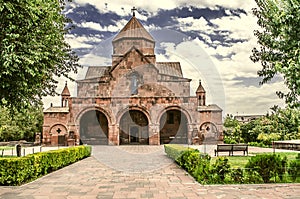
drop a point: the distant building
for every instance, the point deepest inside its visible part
(247, 118)
(136, 100)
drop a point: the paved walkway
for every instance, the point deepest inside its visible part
(136, 172)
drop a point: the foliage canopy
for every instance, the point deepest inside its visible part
(279, 38)
(32, 50)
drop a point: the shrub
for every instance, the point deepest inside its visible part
(189, 160)
(294, 168)
(202, 172)
(174, 151)
(220, 168)
(15, 171)
(237, 175)
(267, 166)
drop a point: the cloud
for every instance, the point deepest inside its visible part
(252, 100)
(82, 41)
(155, 5)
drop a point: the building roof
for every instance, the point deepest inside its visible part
(169, 68)
(57, 109)
(66, 91)
(211, 107)
(134, 29)
(96, 71)
(200, 88)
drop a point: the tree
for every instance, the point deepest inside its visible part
(22, 125)
(279, 51)
(32, 50)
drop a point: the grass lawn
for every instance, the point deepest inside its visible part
(241, 161)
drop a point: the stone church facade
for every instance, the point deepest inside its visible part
(136, 100)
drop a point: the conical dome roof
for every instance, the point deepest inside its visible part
(200, 88)
(133, 29)
(66, 91)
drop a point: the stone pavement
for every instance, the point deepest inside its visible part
(136, 172)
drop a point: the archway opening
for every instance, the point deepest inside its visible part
(209, 133)
(94, 128)
(58, 135)
(134, 128)
(173, 127)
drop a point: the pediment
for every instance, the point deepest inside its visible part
(134, 58)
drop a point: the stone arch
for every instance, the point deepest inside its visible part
(209, 133)
(93, 127)
(173, 126)
(58, 133)
(183, 110)
(134, 126)
(138, 108)
(93, 108)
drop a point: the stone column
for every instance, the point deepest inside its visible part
(154, 134)
(113, 134)
(190, 133)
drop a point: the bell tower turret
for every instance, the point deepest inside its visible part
(65, 96)
(200, 93)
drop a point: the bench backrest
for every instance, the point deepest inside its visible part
(224, 147)
(240, 147)
(232, 147)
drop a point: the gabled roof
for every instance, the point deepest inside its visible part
(169, 68)
(96, 71)
(134, 29)
(211, 107)
(54, 109)
(133, 48)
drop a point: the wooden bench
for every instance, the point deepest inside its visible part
(231, 148)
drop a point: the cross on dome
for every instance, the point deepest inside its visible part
(133, 10)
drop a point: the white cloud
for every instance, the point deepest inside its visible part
(96, 26)
(94, 60)
(123, 7)
(81, 41)
(252, 100)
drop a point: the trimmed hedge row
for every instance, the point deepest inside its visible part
(15, 171)
(262, 168)
(174, 151)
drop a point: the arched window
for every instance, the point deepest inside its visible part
(134, 84)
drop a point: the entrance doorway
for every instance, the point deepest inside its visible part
(173, 127)
(134, 134)
(94, 128)
(134, 128)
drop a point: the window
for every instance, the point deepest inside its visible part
(134, 84)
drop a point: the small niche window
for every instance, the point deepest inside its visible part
(134, 84)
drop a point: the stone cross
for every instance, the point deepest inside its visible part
(58, 130)
(133, 10)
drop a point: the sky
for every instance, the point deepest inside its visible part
(211, 39)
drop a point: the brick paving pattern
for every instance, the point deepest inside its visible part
(111, 173)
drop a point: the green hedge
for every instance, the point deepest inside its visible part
(174, 151)
(262, 168)
(15, 171)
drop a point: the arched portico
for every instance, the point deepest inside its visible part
(134, 128)
(93, 128)
(173, 127)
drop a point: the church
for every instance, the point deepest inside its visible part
(136, 100)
